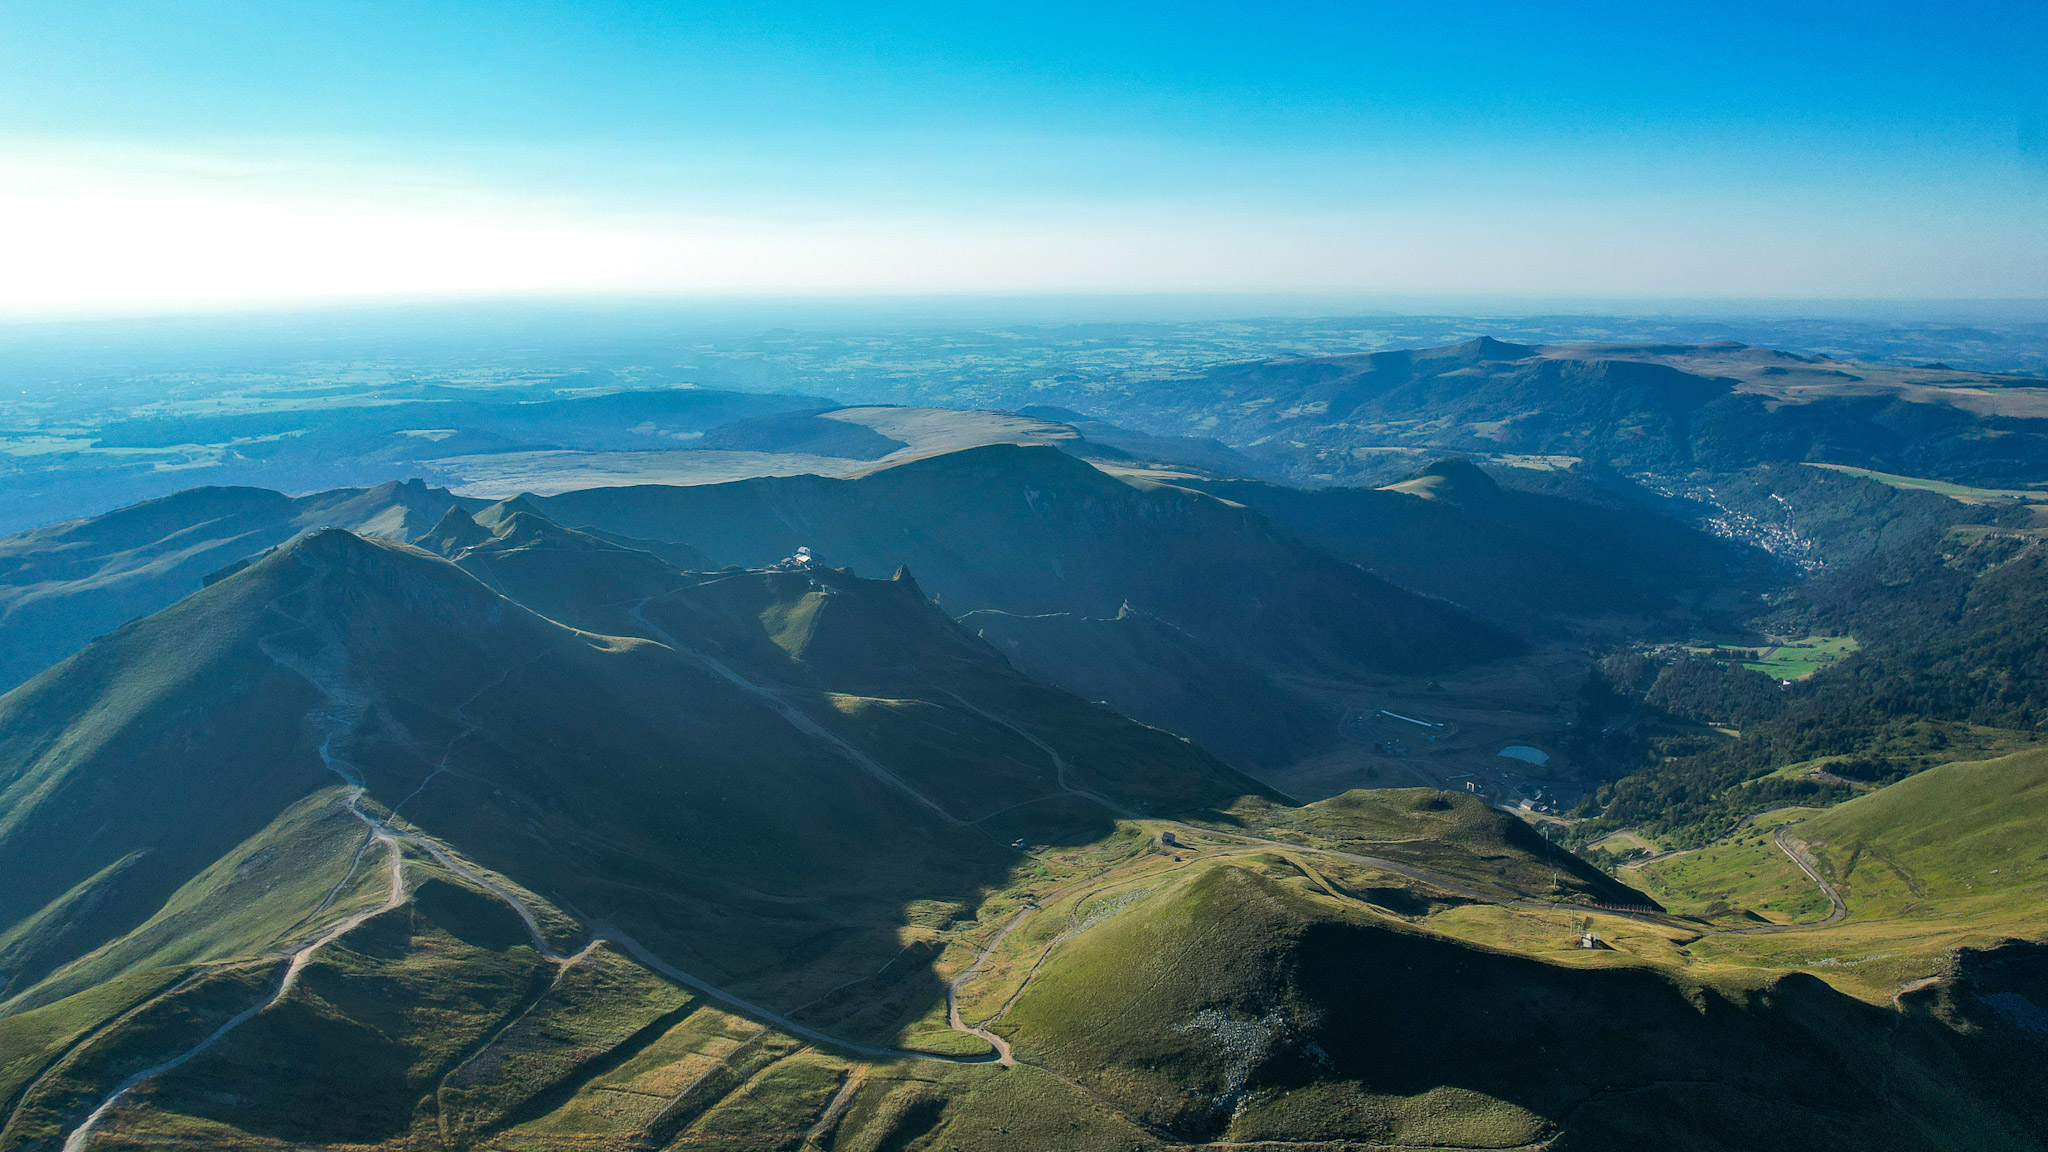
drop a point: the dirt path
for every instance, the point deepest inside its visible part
(344, 707)
(1797, 851)
(379, 833)
(841, 1101)
(756, 1012)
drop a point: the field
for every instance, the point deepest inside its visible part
(1624, 844)
(1962, 493)
(1798, 659)
(1742, 881)
(1948, 858)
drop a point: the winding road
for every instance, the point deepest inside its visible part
(345, 707)
(1797, 852)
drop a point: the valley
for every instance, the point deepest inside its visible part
(911, 778)
(835, 577)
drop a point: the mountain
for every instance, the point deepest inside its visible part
(1533, 561)
(1456, 481)
(803, 432)
(1156, 673)
(1033, 531)
(1017, 529)
(533, 560)
(739, 807)
(353, 845)
(1109, 441)
(63, 584)
(393, 666)
(1670, 409)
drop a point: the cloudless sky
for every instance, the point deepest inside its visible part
(220, 150)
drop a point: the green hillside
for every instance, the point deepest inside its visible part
(522, 837)
(1230, 1004)
(1962, 841)
(64, 584)
(1940, 875)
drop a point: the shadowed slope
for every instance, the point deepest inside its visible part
(64, 584)
(1031, 530)
(1522, 559)
(1151, 671)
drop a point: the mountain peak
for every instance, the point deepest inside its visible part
(418, 577)
(331, 545)
(1454, 480)
(504, 510)
(455, 531)
(1479, 350)
(1488, 348)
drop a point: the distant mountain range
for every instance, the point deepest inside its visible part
(1663, 408)
(1530, 560)
(714, 770)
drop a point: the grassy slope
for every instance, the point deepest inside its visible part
(376, 1021)
(32, 1040)
(64, 584)
(1165, 988)
(112, 743)
(1742, 881)
(1962, 493)
(1961, 836)
(1233, 1002)
(256, 898)
(1946, 859)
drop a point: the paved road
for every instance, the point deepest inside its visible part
(1797, 852)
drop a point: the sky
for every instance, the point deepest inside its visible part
(221, 152)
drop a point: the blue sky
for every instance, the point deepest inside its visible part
(225, 151)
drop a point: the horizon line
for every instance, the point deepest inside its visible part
(1300, 304)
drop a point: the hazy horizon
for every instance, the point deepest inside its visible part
(234, 154)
